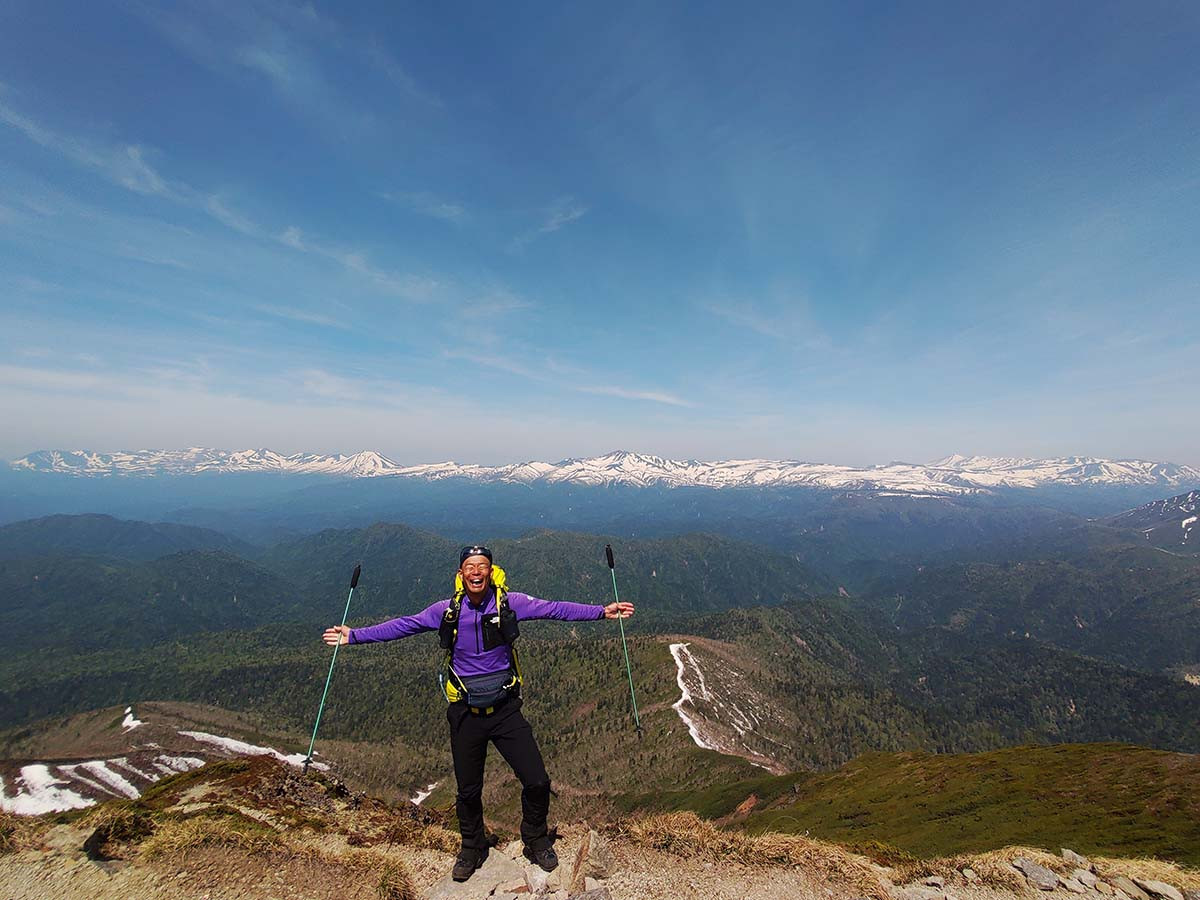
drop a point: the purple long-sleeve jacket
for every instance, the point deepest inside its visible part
(469, 656)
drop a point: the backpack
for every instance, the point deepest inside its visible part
(503, 630)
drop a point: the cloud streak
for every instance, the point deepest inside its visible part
(557, 216)
(124, 165)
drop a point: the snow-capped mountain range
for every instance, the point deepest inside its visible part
(953, 475)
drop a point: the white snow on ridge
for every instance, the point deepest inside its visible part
(114, 781)
(422, 795)
(42, 793)
(952, 475)
(129, 722)
(241, 748)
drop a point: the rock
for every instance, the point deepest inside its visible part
(1159, 889)
(1039, 876)
(1072, 885)
(1191, 894)
(594, 859)
(1104, 888)
(1080, 862)
(504, 895)
(1036, 874)
(1084, 877)
(513, 886)
(1131, 890)
(537, 880)
(969, 874)
(513, 849)
(591, 884)
(919, 892)
(600, 893)
(936, 881)
(496, 871)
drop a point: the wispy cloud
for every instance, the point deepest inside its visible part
(551, 372)
(300, 315)
(627, 394)
(557, 216)
(787, 320)
(121, 164)
(301, 54)
(428, 204)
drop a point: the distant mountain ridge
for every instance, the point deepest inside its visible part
(950, 476)
(1173, 522)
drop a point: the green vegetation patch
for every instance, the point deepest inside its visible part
(1101, 799)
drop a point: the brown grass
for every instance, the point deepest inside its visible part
(425, 837)
(177, 835)
(19, 833)
(687, 835)
(994, 867)
(1153, 869)
(393, 881)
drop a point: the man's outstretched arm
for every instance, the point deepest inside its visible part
(527, 607)
(427, 619)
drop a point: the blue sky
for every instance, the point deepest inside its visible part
(489, 232)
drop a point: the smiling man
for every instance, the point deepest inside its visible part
(481, 680)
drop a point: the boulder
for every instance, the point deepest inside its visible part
(496, 871)
(936, 881)
(594, 859)
(970, 874)
(1191, 894)
(541, 882)
(1080, 862)
(1084, 877)
(1159, 889)
(591, 884)
(1131, 890)
(1104, 888)
(1038, 876)
(1072, 885)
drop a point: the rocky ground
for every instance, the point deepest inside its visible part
(257, 830)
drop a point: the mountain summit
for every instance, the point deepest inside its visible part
(952, 475)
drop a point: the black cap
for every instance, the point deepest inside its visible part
(474, 550)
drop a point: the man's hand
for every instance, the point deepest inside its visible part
(339, 634)
(621, 610)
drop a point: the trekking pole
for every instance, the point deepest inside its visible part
(612, 568)
(329, 677)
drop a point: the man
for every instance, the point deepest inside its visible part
(481, 680)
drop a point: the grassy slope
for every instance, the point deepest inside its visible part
(1104, 799)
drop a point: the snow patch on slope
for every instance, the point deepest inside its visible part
(241, 748)
(40, 792)
(688, 669)
(129, 722)
(422, 795)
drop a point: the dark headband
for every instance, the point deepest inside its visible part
(474, 550)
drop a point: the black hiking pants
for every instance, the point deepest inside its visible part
(513, 737)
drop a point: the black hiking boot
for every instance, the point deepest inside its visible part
(466, 864)
(546, 859)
